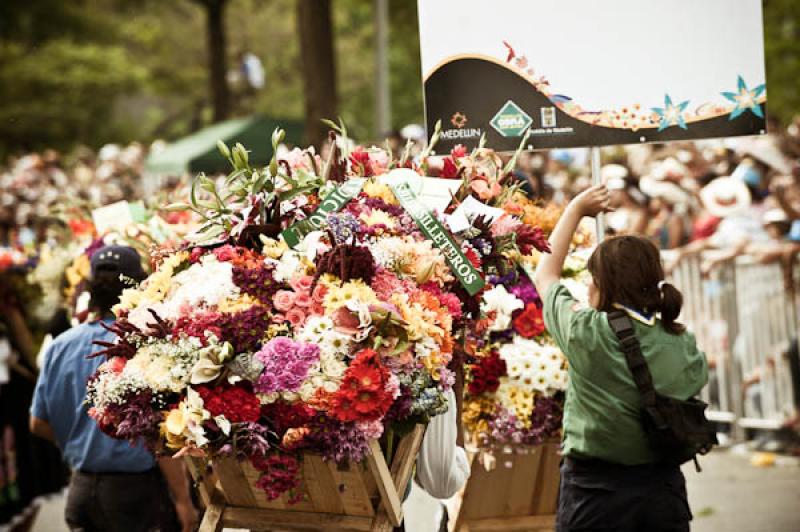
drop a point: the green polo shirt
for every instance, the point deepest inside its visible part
(601, 414)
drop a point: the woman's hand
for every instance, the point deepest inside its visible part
(592, 201)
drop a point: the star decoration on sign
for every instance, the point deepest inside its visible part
(745, 99)
(671, 114)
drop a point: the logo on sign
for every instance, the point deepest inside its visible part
(459, 121)
(511, 121)
(548, 117)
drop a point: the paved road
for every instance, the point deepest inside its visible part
(730, 495)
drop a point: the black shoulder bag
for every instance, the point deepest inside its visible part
(676, 430)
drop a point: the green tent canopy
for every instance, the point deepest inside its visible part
(198, 152)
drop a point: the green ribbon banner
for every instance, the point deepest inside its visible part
(462, 268)
(333, 202)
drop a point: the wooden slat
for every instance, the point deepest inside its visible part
(322, 488)
(405, 458)
(529, 487)
(202, 477)
(351, 489)
(549, 480)
(523, 484)
(235, 485)
(486, 491)
(531, 523)
(261, 518)
(402, 468)
(212, 518)
(386, 486)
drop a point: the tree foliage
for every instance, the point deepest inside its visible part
(94, 71)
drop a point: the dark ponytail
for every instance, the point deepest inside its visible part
(627, 270)
(670, 308)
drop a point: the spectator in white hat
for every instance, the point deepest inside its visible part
(630, 214)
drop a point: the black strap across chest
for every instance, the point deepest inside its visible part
(622, 326)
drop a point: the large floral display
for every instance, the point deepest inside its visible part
(516, 375)
(317, 308)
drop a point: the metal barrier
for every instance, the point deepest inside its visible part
(744, 318)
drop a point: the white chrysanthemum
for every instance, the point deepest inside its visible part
(288, 266)
(319, 330)
(205, 283)
(501, 302)
(534, 366)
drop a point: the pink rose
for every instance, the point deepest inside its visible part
(317, 309)
(283, 300)
(302, 284)
(303, 300)
(319, 293)
(278, 318)
(296, 317)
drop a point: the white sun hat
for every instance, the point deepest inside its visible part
(670, 168)
(765, 150)
(725, 196)
(774, 216)
(666, 190)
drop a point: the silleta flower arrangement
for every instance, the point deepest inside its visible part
(515, 375)
(317, 308)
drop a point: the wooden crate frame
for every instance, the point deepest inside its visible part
(519, 493)
(364, 496)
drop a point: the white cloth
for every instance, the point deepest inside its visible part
(442, 466)
(5, 356)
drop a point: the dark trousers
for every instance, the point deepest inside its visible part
(598, 496)
(111, 502)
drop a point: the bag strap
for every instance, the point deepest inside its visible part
(622, 326)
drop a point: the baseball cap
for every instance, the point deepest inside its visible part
(123, 260)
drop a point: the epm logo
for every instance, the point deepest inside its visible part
(510, 120)
(459, 121)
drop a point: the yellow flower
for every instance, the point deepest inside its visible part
(76, 272)
(377, 217)
(243, 302)
(373, 189)
(176, 422)
(273, 249)
(155, 288)
(351, 290)
(276, 329)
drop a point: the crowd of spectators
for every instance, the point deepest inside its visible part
(739, 195)
(36, 186)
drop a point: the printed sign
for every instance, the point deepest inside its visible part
(434, 192)
(333, 202)
(589, 73)
(117, 216)
(434, 231)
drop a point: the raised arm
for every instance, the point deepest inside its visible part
(590, 202)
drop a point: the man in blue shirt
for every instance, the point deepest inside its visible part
(114, 486)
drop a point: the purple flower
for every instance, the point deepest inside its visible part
(526, 291)
(286, 364)
(251, 439)
(337, 441)
(134, 419)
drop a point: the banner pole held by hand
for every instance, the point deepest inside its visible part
(596, 180)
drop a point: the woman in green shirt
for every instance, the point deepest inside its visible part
(611, 479)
